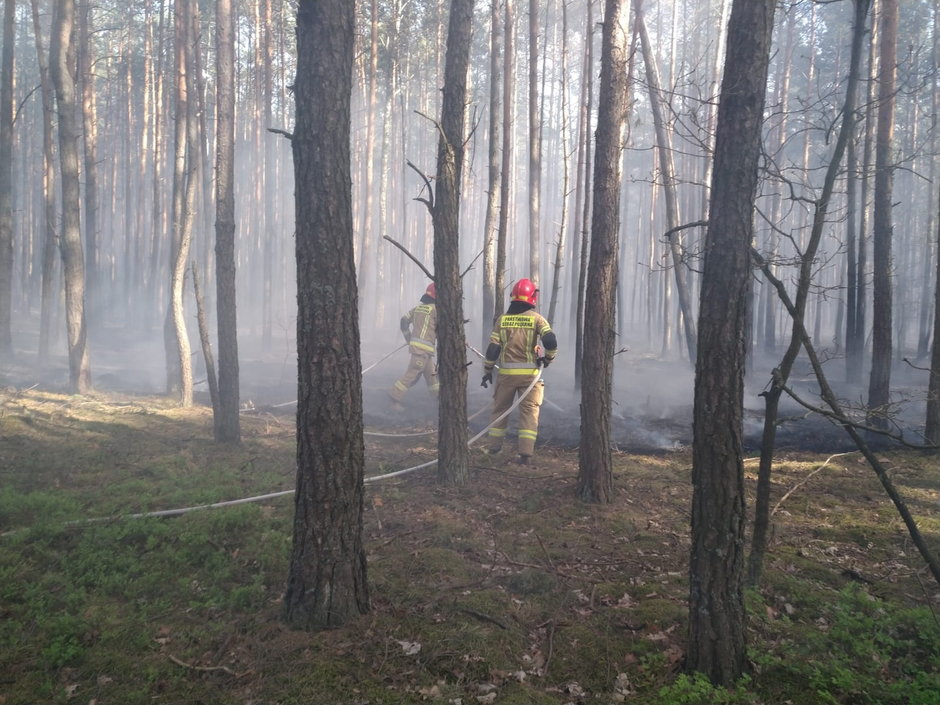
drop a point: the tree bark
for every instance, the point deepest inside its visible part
(368, 249)
(932, 423)
(535, 147)
(490, 223)
(561, 244)
(505, 183)
(90, 171)
(716, 588)
(879, 385)
(47, 299)
(176, 336)
(453, 454)
(62, 64)
(6, 181)
(326, 585)
(595, 465)
(583, 210)
(667, 170)
(226, 423)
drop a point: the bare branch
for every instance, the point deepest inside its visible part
(410, 256)
(429, 201)
(277, 131)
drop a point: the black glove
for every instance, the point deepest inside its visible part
(407, 335)
(546, 361)
(487, 380)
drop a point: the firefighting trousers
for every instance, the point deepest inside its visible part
(508, 387)
(420, 365)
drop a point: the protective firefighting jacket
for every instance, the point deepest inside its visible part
(514, 340)
(419, 326)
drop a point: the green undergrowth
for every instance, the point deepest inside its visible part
(508, 591)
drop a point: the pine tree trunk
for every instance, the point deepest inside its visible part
(90, 173)
(47, 297)
(226, 420)
(561, 244)
(490, 232)
(453, 454)
(326, 585)
(6, 182)
(505, 182)
(581, 238)
(73, 264)
(880, 380)
(667, 172)
(176, 336)
(535, 148)
(932, 424)
(595, 465)
(717, 644)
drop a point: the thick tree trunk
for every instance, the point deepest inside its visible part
(453, 454)
(879, 385)
(327, 585)
(716, 592)
(595, 465)
(62, 64)
(226, 420)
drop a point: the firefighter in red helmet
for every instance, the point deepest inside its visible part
(419, 327)
(522, 341)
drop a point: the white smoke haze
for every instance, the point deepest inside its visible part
(653, 382)
(652, 397)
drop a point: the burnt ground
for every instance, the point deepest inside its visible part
(652, 398)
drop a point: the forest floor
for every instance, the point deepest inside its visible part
(508, 590)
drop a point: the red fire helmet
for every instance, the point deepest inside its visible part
(524, 290)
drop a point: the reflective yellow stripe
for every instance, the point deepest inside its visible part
(527, 434)
(525, 371)
(421, 345)
(497, 433)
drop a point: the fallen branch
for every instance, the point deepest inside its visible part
(483, 617)
(802, 482)
(559, 573)
(204, 669)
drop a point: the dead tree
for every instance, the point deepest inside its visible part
(804, 281)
